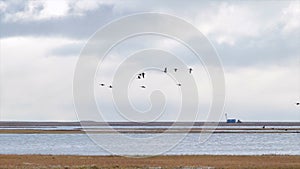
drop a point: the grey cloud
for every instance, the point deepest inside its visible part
(71, 26)
(76, 26)
(269, 49)
(13, 6)
(272, 48)
(68, 50)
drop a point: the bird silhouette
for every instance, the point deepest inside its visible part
(297, 103)
(143, 75)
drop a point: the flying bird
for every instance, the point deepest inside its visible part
(297, 103)
(178, 84)
(190, 70)
(143, 87)
(102, 84)
(143, 75)
(175, 69)
(110, 86)
(166, 69)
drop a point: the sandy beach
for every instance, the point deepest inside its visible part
(51, 161)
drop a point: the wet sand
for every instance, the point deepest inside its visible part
(51, 161)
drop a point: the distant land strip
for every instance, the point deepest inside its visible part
(147, 130)
(18, 127)
(93, 123)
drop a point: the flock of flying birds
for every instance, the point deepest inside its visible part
(143, 75)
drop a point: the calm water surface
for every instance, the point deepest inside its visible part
(218, 144)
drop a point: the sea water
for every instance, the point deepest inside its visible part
(217, 144)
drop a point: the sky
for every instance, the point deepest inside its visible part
(258, 43)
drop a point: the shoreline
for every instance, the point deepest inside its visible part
(23, 127)
(165, 123)
(169, 161)
(152, 131)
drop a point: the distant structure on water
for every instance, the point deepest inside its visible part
(231, 120)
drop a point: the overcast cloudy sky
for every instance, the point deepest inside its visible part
(258, 44)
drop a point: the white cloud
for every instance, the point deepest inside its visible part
(291, 17)
(50, 9)
(39, 10)
(34, 85)
(54, 9)
(227, 23)
(3, 6)
(79, 7)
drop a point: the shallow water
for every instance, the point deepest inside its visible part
(217, 144)
(137, 127)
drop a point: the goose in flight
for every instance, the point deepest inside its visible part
(110, 86)
(297, 103)
(190, 70)
(102, 84)
(141, 75)
(143, 87)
